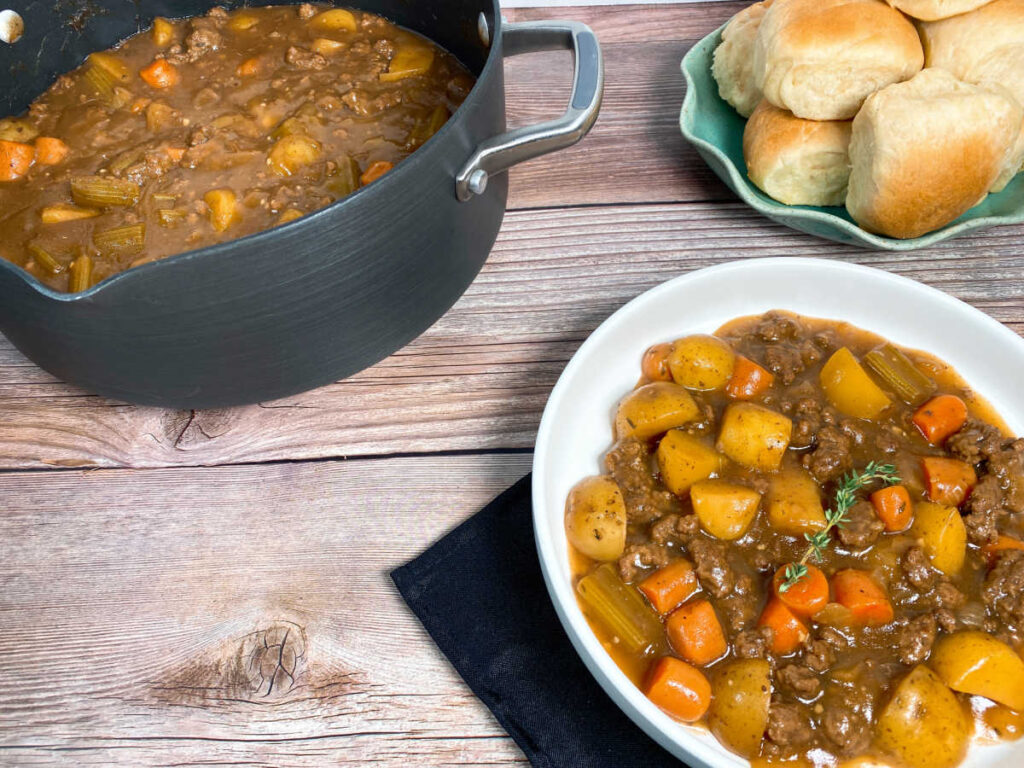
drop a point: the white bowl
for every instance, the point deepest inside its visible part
(575, 430)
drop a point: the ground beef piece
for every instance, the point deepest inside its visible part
(740, 611)
(640, 558)
(1003, 591)
(819, 654)
(862, 526)
(946, 620)
(918, 570)
(886, 442)
(303, 58)
(810, 353)
(203, 38)
(307, 11)
(834, 638)
(775, 327)
(831, 456)
(847, 719)
(975, 441)
(947, 595)
(916, 638)
(687, 527)
(664, 530)
(1007, 464)
(806, 422)
(752, 643)
(385, 48)
(706, 420)
(984, 509)
(713, 569)
(802, 681)
(628, 462)
(788, 725)
(784, 361)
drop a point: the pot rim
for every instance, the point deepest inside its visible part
(381, 186)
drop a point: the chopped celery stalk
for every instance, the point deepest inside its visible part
(81, 274)
(345, 180)
(898, 372)
(122, 161)
(101, 81)
(126, 240)
(170, 217)
(103, 190)
(620, 608)
(111, 64)
(161, 198)
(427, 126)
(45, 259)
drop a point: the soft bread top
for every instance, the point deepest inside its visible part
(733, 65)
(929, 10)
(925, 151)
(821, 58)
(797, 161)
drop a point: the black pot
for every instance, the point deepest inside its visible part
(308, 302)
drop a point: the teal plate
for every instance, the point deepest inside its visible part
(716, 130)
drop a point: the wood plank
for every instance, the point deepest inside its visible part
(237, 615)
(479, 378)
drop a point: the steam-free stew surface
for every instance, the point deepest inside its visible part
(203, 130)
(680, 549)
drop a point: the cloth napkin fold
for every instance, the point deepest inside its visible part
(480, 594)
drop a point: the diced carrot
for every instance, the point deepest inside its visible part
(50, 151)
(696, 633)
(748, 380)
(893, 507)
(249, 67)
(160, 74)
(655, 363)
(807, 596)
(679, 689)
(375, 171)
(175, 153)
(1002, 544)
(788, 632)
(863, 596)
(15, 159)
(669, 587)
(948, 481)
(940, 417)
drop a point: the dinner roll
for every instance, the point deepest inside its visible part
(821, 58)
(924, 151)
(797, 161)
(929, 10)
(732, 66)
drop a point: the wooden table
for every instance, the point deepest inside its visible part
(211, 588)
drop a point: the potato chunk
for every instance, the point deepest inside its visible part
(794, 503)
(923, 725)
(942, 534)
(849, 387)
(754, 436)
(654, 408)
(741, 697)
(725, 510)
(595, 518)
(334, 20)
(684, 459)
(223, 208)
(410, 60)
(701, 362)
(291, 153)
(975, 662)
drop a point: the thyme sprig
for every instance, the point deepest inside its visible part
(846, 496)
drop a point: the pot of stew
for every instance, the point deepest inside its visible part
(203, 206)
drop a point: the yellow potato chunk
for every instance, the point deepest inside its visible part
(410, 59)
(741, 697)
(652, 409)
(242, 21)
(334, 20)
(61, 212)
(975, 662)
(942, 534)
(289, 215)
(163, 32)
(754, 436)
(326, 47)
(291, 153)
(684, 459)
(793, 503)
(923, 725)
(595, 518)
(223, 208)
(849, 387)
(725, 510)
(701, 362)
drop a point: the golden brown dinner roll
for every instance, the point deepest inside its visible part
(732, 66)
(929, 10)
(821, 58)
(797, 161)
(924, 151)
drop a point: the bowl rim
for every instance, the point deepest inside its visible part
(679, 739)
(699, 58)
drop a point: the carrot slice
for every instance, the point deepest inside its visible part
(655, 363)
(375, 171)
(948, 480)
(863, 596)
(15, 159)
(671, 586)
(940, 417)
(160, 74)
(679, 689)
(748, 380)
(695, 633)
(249, 67)
(50, 151)
(893, 507)
(807, 596)
(1003, 543)
(788, 632)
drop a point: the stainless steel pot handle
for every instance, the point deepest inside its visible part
(499, 153)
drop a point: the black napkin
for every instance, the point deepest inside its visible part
(480, 594)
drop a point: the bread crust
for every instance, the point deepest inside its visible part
(732, 65)
(930, 10)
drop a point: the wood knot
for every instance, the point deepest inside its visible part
(190, 429)
(274, 658)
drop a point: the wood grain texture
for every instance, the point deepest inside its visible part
(235, 615)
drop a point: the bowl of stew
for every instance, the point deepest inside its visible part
(205, 205)
(779, 508)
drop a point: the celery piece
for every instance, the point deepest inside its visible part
(898, 372)
(103, 190)
(620, 608)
